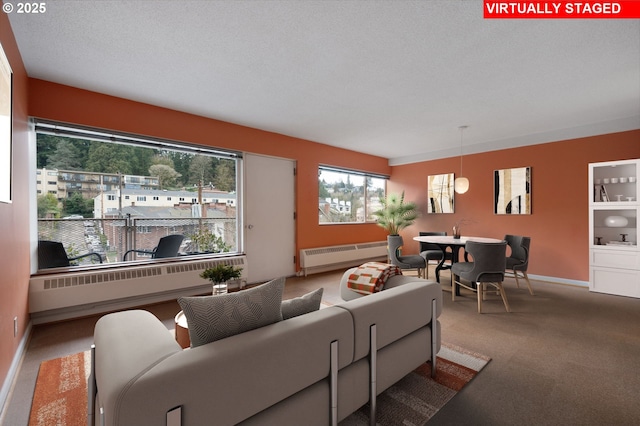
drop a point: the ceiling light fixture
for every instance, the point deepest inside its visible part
(461, 184)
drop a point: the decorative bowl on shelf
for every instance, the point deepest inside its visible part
(632, 179)
(623, 180)
(616, 221)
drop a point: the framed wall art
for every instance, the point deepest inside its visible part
(512, 191)
(6, 120)
(440, 193)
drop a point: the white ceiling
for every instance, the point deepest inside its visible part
(390, 78)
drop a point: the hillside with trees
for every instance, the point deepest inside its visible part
(175, 169)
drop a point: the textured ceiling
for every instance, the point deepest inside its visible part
(389, 78)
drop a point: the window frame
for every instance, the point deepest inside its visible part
(39, 126)
(368, 219)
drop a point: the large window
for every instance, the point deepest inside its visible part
(347, 196)
(112, 193)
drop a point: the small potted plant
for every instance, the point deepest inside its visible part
(457, 227)
(219, 275)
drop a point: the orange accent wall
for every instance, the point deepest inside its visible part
(558, 226)
(559, 223)
(14, 217)
(77, 106)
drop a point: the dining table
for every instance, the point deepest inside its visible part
(454, 245)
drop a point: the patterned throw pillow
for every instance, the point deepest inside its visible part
(213, 318)
(302, 305)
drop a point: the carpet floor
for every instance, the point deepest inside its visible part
(60, 395)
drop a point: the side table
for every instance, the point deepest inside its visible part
(182, 330)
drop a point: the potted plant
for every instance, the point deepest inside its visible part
(395, 215)
(219, 275)
(458, 225)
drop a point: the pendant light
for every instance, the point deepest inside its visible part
(461, 184)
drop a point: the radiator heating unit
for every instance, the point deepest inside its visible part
(323, 259)
(58, 296)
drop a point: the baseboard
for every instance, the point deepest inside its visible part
(12, 374)
(556, 280)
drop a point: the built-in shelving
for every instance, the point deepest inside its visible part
(614, 264)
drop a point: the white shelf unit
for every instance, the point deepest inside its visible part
(614, 209)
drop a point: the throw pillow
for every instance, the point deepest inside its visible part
(302, 305)
(213, 318)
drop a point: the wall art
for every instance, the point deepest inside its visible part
(512, 191)
(440, 193)
(6, 121)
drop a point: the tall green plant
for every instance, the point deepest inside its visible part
(395, 214)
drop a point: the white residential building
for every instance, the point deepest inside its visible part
(109, 203)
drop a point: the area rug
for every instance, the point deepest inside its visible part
(60, 396)
(417, 397)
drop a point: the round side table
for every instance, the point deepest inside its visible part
(182, 330)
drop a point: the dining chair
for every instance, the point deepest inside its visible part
(431, 251)
(412, 261)
(518, 260)
(487, 268)
(167, 247)
(51, 254)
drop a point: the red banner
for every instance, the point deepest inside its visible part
(517, 9)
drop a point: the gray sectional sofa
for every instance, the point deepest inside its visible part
(313, 369)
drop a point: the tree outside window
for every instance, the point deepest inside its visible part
(109, 193)
(348, 196)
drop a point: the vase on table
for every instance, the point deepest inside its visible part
(219, 275)
(456, 231)
(220, 288)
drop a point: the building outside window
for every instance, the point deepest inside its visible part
(97, 181)
(143, 229)
(347, 196)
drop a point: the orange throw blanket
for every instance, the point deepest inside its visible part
(371, 277)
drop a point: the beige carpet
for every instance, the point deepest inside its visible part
(60, 396)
